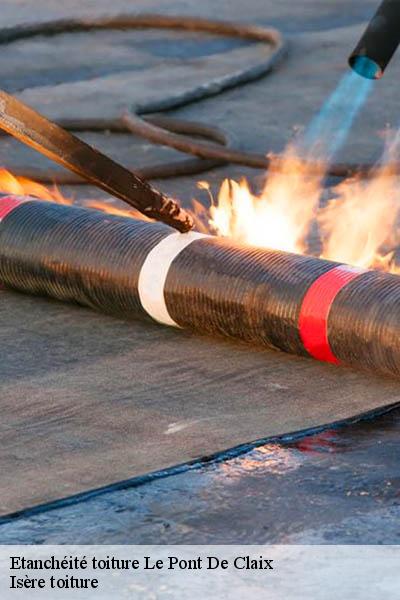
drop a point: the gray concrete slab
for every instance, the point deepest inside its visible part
(88, 400)
(307, 14)
(338, 486)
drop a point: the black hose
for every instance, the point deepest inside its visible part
(270, 37)
(298, 304)
(163, 130)
(159, 171)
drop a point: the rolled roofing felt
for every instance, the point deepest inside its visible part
(133, 268)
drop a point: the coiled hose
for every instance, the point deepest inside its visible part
(138, 269)
(164, 130)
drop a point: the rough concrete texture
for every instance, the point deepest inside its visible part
(74, 380)
(89, 400)
(335, 487)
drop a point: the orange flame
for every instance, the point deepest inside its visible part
(115, 210)
(21, 186)
(360, 222)
(280, 216)
(358, 226)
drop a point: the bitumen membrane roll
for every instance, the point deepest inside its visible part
(92, 402)
(139, 269)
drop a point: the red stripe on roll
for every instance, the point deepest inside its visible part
(314, 312)
(8, 203)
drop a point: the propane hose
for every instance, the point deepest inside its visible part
(216, 147)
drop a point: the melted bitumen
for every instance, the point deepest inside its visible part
(341, 485)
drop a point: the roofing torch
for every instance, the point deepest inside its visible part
(34, 130)
(379, 41)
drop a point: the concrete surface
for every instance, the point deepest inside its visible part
(89, 400)
(337, 487)
(110, 70)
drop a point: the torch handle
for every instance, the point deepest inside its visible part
(48, 138)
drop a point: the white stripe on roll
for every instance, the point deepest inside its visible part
(154, 271)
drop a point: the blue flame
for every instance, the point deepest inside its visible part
(328, 131)
(366, 67)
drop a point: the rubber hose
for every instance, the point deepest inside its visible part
(164, 132)
(123, 22)
(159, 171)
(137, 269)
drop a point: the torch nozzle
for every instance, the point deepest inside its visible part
(379, 42)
